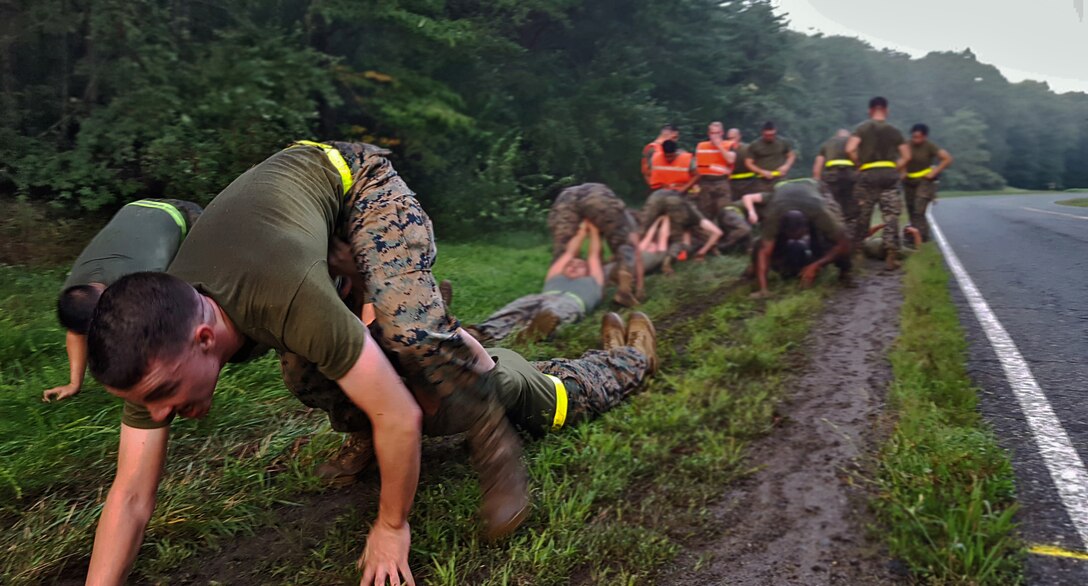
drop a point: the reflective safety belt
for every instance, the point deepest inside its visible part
(581, 304)
(750, 175)
(920, 174)
(335, 158)
(169, 209)
(560, 402)
(879, 165)
(839, 163)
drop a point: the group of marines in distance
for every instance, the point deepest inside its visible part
(323, 254)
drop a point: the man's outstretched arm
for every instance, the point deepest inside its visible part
(375, 387)
(76, 346)
(129, 504)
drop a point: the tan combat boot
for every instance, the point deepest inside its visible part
(891, 261)
(496, 455)
(445, 290)
(625, 285)
(643, 337)
(542, 327)
(613, 331)
(355, 455)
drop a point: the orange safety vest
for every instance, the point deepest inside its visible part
(670, 175)
(710, 161)
(649, 151)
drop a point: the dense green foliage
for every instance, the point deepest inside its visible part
(489, 105)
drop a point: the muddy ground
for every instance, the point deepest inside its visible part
(802, 518)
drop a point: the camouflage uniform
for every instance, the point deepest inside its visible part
(595, 383)
(838, 185)
(714, 194)
(878, 187)
(683, 216)
(521, 311)
(736, 232)
(742, 187)
(919, 193)
(598, 204)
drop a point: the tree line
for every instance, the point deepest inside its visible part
(490, 106)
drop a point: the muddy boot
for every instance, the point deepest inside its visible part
(625, 284)
(642, 336)
(543, 326)
(613, 331)
(495, 453)
(445, 289)
(355, 455)
(891, 261)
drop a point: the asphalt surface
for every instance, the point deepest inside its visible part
(1029, 258)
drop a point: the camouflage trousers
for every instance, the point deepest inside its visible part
(598, 204)
(684, 216)
(393, 244)
(714, 194)
(518, 313)
(838, 186)
(878, 187)
(918, 195)
(595, 383)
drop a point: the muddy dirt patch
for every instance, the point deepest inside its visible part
(801, 519)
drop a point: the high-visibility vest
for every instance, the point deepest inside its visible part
(710, 161)
(670, 174)
(649, 151)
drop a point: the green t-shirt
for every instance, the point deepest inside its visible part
(922, 156)
(804, 196)
(769, 155)
(585, 290)
(834, 149)
(143, 236)
(742, 155)
(260, 251)
(879, 141)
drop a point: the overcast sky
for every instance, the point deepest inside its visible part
(1045, 40)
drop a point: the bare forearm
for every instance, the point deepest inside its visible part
(396, 443)
(117, 539)
(76, 346)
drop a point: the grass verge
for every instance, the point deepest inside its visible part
(1080, 202)
(946, 497)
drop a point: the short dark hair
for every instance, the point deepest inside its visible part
(793, 222)
(141, 317)
(920, 128)
(768, 125)
(878, 102)
(670, 127)
(669, 146)
(75, 307)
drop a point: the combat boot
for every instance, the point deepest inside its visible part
(355, 455)
(445, 290)
(613, 331)
(642, 336)
(891, 261)
(543, 326)
(625, 284)
(495, 453)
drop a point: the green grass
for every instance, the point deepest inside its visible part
(613, 499)
(1080, 202)
(946, 489)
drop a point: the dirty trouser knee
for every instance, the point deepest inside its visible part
(521, 311)
(878, 187)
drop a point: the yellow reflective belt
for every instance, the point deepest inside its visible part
(742, 176)
(335, 158)
(560, 402)
(839, 163)
(920, 174)
(169, 209)
(879, 165)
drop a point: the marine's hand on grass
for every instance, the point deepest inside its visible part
(60, 393)
(808, 274)
(761, 294)
(385, 559)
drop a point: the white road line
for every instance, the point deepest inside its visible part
(1055, 213)
(1062, 461)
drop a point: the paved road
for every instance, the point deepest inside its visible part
(1029, 259)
